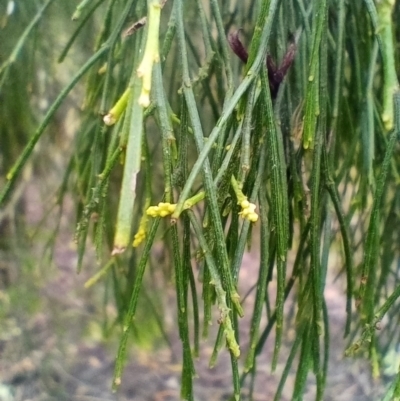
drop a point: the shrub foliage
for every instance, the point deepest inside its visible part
(212, 123)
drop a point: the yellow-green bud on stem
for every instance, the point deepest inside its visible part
(115, 113)
(151, 54)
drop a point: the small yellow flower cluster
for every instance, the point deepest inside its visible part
(139, 237)
(248, 211)
(162, 210)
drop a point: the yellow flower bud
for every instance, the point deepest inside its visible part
(163, 209)
(139, 237)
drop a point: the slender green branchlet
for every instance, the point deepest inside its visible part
(385, 10)
(79, 8)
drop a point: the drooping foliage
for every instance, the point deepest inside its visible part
(213, 123)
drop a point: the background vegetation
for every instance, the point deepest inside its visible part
(172, 139)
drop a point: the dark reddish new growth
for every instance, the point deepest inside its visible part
(237, 46)
(275, 74)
